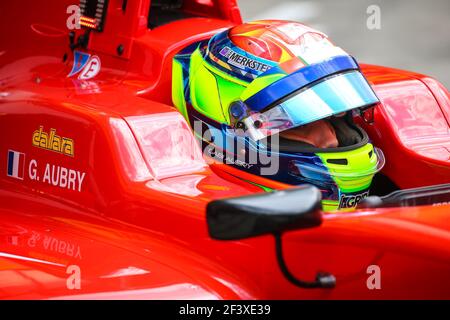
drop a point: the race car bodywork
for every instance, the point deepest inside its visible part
(104, 191)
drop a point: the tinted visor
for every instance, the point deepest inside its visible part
(334, 95)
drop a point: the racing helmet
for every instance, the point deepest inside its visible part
(282, 88)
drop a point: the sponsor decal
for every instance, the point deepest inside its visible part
(243, 62)
(51, 141)
(15, 164)
(351, 200)
(227, 159)
(91, 70)
(54, 175)
(57, 176)
(85, 65)
(80, 60)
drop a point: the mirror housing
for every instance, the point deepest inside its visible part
(267, 213)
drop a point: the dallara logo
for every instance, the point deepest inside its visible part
(350, 201)
(51, 141)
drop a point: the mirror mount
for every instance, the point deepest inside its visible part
(323, 279)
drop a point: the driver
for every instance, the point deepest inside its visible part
(284, 87)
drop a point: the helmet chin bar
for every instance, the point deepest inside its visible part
(324, 280)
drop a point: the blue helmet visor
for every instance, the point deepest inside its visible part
(334, 95)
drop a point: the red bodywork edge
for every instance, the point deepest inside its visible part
(134, 235)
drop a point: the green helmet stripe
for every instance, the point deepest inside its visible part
(357, 174)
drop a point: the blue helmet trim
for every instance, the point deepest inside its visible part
(297, 80)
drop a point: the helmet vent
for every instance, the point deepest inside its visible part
(338, 161)
(370, 154)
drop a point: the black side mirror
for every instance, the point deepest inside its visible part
(275, 212)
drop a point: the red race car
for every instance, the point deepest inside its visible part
(105, 193)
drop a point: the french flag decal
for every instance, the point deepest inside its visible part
(16, 162)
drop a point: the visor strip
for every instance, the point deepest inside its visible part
(298, 80)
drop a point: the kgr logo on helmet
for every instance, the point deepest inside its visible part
(350, 201)
(240, 61)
